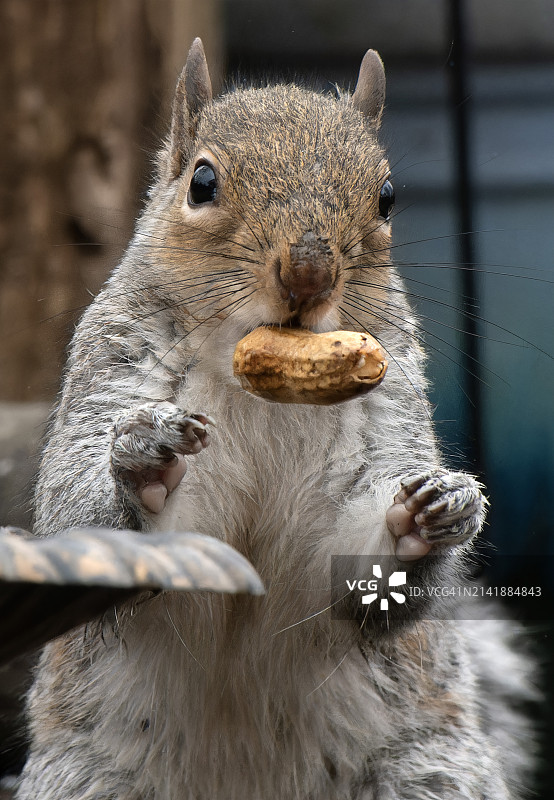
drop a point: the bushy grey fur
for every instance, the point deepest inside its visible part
(225, 698)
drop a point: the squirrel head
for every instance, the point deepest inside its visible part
(294, 180)
(194, 92)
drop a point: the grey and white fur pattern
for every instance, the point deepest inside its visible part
(205, 697)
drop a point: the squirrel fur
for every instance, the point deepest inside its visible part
(209, 697)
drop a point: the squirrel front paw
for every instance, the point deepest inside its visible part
(149, 448)
(435, 508)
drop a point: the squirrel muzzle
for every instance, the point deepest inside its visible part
(306, 272)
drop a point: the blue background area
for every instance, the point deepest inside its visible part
(511, 129)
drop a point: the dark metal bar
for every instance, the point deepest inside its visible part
(462, 108)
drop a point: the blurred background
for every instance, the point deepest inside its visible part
(86, 89)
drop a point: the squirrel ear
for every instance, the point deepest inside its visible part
(369, 94)
(194, 90)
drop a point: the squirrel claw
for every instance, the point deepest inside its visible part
(205, 419)
(149, 449)
(440, 508)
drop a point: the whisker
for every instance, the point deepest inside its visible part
(213, 295)
(359, 236)
(422, 341)
(238, 209)
(191, 298)
(85, 244)
(192, 281)
(311, 616)
(330, 674)
(415, 164)
(430, 239)
(198, 251)
(182, 224)
(467, 315)
(189, 283)
(394, 165)
(465, 267)
(429, 345)
(191, 654)
(202, 322)
(444, 236)
(365, 307)
(161, 238)
(359, 325)
(240, 302)
(217, 281)
(443, 289)
(442, 323)
(96, 221)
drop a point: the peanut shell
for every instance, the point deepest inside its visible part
(294, 365)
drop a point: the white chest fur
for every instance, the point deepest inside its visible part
(267, 465)
(245, 682)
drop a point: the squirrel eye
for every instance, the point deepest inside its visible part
(203, 186)
(386, 200)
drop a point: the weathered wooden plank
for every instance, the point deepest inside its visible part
(48, 586)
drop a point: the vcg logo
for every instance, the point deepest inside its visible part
(373, 586)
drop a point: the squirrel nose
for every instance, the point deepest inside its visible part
(308, 273)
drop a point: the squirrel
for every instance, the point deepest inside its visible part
(270, 206)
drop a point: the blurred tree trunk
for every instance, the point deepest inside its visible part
(86, 88)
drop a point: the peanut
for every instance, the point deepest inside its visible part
(293, 365)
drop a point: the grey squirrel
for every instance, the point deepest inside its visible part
(270, 206)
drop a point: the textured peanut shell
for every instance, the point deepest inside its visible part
(292, 365)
